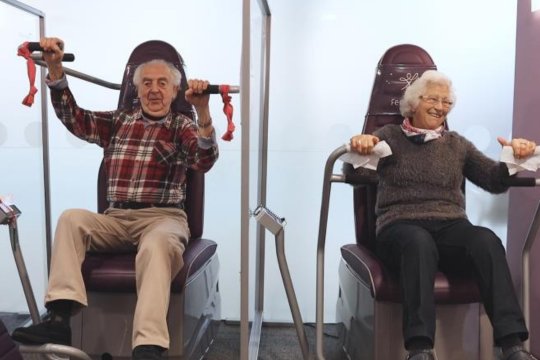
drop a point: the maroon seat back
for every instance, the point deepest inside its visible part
(397, 69)
(153, 49)
(193, 204)
(115, 272)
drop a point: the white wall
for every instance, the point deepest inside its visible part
(323, 59)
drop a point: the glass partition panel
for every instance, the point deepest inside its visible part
(255, 47)
(21, 158)
(256, 234)
(255, 125)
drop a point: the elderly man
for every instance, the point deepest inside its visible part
(146, 152)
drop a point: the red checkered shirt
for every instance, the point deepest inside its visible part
(145, 160)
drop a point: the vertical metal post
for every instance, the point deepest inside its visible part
(328, 178)
(46, 167)
(256, 327)
(263, 160)
(526, 271)
(244, 181)
(245, 344)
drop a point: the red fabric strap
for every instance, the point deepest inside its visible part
(31, 67)
(228, 111)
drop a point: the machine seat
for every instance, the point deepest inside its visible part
(385, 287)
(8, 349)
(115, 272)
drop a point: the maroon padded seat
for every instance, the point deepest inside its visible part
(115, 272)
(112, 272)
(8, 348)
(384, 287)
(398, 67)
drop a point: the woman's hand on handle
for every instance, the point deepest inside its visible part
(522, 147)
(364, 143)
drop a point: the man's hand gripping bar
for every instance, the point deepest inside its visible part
(34, 46)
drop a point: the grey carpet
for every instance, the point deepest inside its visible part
(278, 341)
(13, 320)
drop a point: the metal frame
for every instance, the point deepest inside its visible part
(54, 352)
(275, 224)
(329, 178)
(23, 273)
(83, 76)
(249, 344)
(49, 351)
(526, 267)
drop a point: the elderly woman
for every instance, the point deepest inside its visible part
(421, 221)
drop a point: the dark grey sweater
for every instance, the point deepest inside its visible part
(424, 181)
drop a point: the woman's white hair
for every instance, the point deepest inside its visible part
(176, 76)
(412, 96)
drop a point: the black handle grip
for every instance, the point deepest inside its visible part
(34, 46)
(212, 89)
(217, 89)
(519, 181)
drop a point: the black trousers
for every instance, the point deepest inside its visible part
(416, 249)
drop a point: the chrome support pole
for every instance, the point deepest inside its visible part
(329, 177)
(526, 270)
(23, 273)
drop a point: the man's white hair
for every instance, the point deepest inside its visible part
(176, 76)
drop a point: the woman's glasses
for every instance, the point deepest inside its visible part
(432, 100)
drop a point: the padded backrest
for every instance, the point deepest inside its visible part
(153, 49)
(397, 69)
(156, 49)
(193, 205)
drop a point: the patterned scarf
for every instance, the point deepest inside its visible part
(420, 136)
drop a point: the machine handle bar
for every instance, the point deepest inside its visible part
(35, 46)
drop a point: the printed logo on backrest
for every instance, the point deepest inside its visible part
(408, 79)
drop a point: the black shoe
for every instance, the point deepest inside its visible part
(147, 352)
(517, 353)
(420, 355)
(47, 332)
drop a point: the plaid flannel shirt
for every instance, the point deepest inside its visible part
(145, 160)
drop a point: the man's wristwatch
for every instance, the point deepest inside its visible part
(205, 125)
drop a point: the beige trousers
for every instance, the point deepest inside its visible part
(158, 235)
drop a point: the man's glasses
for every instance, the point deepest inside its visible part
(432, 100)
